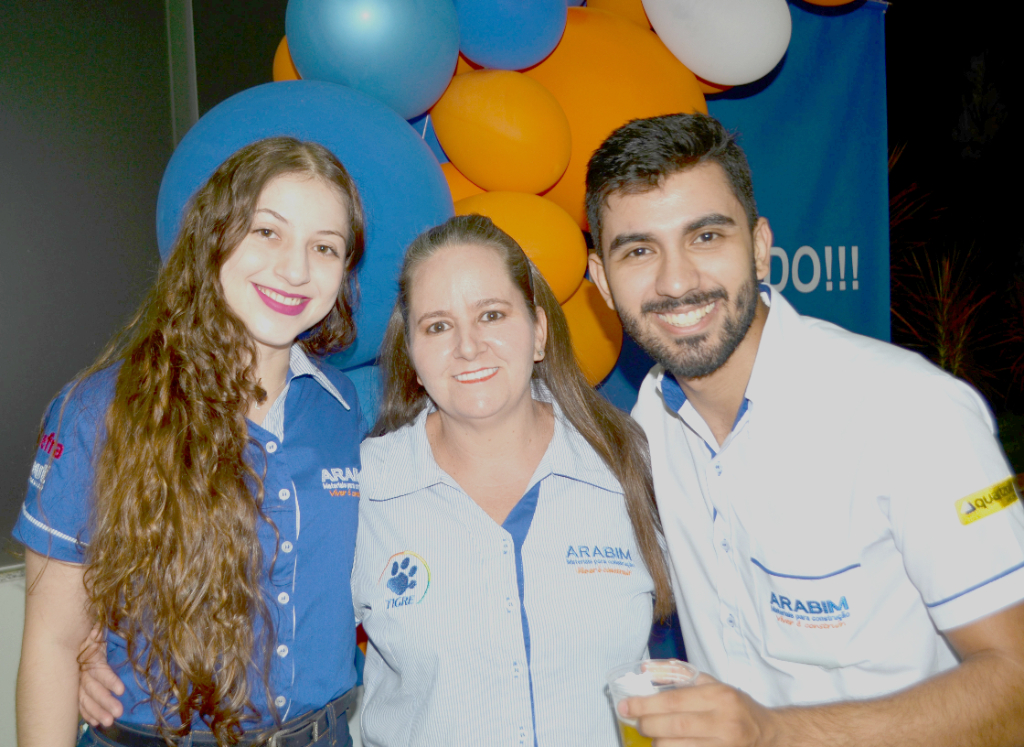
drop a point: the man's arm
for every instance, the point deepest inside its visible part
(56, 625)
(979, 703)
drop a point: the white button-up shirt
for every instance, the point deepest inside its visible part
(860, 505)
(494, 635)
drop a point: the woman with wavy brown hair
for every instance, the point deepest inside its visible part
(509, 545)
(195, 492)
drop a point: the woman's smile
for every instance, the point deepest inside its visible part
(281, 302)
(475, 377)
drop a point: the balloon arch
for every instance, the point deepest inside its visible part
(517, 95)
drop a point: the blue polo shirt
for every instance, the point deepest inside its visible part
(311, 494)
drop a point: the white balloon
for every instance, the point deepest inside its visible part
(729, 42)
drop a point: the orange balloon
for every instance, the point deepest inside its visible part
(464, 65)
(550, 238)
(284, 68)
(604, 72)
(458, 184)
(710, 88)
(631, 10)
(596, 332)
(503, 130)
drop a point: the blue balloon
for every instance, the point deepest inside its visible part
(401, 184)
(401, 52)
(509, 34)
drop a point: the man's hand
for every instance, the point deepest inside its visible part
(979, 703)
(99, 684)
(708, 713)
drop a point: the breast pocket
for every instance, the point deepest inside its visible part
(811, 615)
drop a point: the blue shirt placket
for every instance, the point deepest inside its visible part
(517, 524)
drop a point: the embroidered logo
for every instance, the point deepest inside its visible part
(38, 476)
(810, 613)
(51, 446)
(600, 559)
(339, 481)
(406, 579)
(986, 502)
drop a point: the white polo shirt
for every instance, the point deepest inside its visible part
(490, 634)
(860, 505)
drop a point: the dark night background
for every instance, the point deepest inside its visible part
(954, 118)
(85, 135)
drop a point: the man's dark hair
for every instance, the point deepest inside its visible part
(638, 156)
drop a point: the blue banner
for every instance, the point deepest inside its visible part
(814, 131)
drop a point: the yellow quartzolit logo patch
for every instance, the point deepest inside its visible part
(987, 502)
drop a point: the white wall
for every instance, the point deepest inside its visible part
(12, 618)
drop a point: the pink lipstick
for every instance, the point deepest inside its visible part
(289, 309)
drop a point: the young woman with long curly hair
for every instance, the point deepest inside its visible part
(195, 493)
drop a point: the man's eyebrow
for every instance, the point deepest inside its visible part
(629, 238)
(711, 219)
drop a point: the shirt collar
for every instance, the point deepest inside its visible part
(568, 455)
(299, 364)
(774, 363)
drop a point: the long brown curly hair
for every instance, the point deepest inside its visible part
(616, 437)
(174, 565)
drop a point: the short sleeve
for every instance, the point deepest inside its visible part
(54, 517)
(956, 511)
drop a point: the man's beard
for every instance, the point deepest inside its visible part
(696, 356)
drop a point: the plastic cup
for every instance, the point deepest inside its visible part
(648, 677)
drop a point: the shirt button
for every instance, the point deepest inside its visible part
(279, 701)
(725, 545)
(283, 597)
(732, 621)
(271, 447)
(282, 651)
(286, 546)
(284, 494)
(718, 469)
